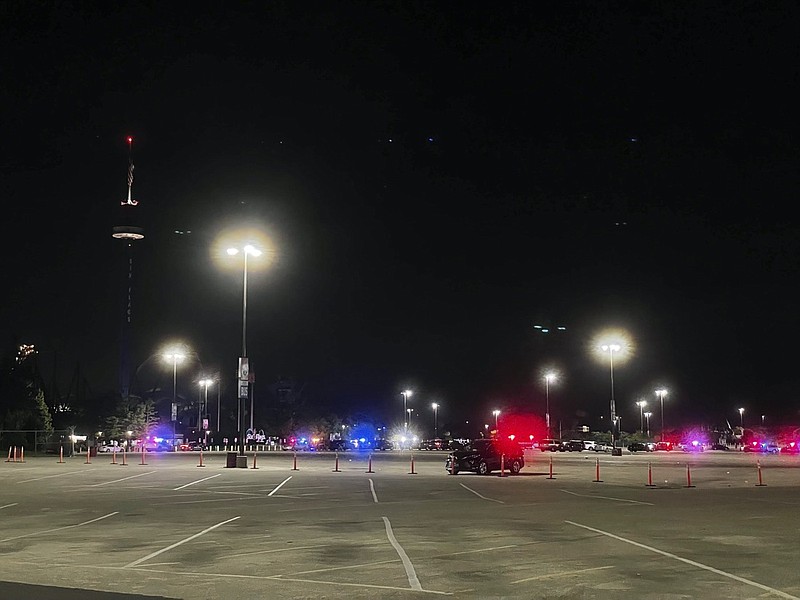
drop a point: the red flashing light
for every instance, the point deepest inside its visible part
(130, 139)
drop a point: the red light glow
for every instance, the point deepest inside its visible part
(130, 139)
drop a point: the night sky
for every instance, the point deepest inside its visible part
(436, 179)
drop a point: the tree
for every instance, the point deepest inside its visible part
(134, 415)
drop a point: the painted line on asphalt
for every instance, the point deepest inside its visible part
(17, 537)
(274, 550)
(8, 505)
(194, 482)
(280, 485)
(193, 575)
(123, 479)
(410, 572)
(51, 476)
(372, 489)
(361, 566)
(608, 498)
(176, 544)
(479, 495)
(561, 574)
(755, 584)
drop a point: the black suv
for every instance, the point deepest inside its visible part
(483, 456)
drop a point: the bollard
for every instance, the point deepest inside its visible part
(201, 459)
(551, 469)
(124, 458)
(14, 455)
(143, 461)
(113, 457)
(649, 475)
(255, 454)
(9, 455)
(760, 481)
(597, 471)
(502, 465)
(688, 477)
(412, 472)
(336, 467)
(294, 463)
(22, 454)
(453, 464)
(61, 454)
(369, 468)
(88, 456)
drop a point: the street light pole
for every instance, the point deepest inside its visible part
(406, 394)
(741, 418)
(661, 393)
(611, 348)
(641, 404)
(496, 414)
(547, 379)
(647, 416)
(244, 368)
(175, 357)
(435, 408)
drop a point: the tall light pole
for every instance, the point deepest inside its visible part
(435, 408)
(204, 383)
(741, 418)
(611, 348)
(244, 367)
(406, 394)
(647, 416)
(409, 411)
(496, 414)
(661, 393)
(175, 357)
(641, 404)
(548, 378)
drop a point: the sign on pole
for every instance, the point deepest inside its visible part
(244, 369)
(243, 389)
(174, 411)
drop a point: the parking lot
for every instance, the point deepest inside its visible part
(593, 529)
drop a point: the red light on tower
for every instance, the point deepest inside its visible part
(130, 140)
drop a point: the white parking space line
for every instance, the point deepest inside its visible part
(194, 482)
(410, 572)
(755, 584)
(17, 537)
(280, 485)
(176, 544)
(561, 574)
(480, 495)
(123, 479)
(8, 505)
(272, 551)
(372, 489)
(51, 476)
(361, 566)
(608, 498)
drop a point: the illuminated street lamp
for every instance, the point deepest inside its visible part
(496, 414)
(661, 393)
(244, 367)
(204, 383)
(174, 356)
(641, 404)
(611, 348)
(409, 412)
(548, 378)
(741, 418)
(406, 394)
(435, 408)
(647, 416)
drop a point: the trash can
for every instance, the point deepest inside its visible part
(241, 461)
(230, 460)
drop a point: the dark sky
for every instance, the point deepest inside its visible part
(436, 178)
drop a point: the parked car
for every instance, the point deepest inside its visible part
(718, 447)
(571, 446)
(589, 445)
(634, 447)
(382, 445)
(484, 456)
(109, 448)
(791, 448)
(434, 444)
(663, 446)
(548, 445)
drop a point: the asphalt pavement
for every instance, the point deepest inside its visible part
(644, 526)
